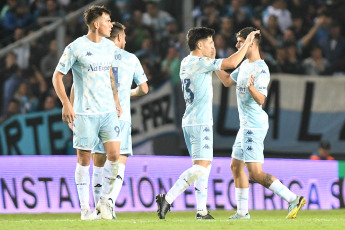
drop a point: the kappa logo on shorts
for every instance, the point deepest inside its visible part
(83, 140)
(250, 148)
(206, 147)
(249, 132)
(206, 138)
(249, 140)
(207, 129)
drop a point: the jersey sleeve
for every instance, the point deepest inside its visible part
(205, 64)
(67, 60)
(139, 74)
(262, 80)
(234, 74)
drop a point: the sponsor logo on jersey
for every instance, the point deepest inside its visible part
(98, 68)
(88, 53)
(241, 89)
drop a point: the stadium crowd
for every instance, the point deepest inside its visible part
(303, 37)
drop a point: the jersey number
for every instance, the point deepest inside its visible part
(187, 91)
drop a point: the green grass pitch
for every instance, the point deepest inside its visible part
(332, 219)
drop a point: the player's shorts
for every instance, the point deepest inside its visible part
(249, 145)
(126, 140)
(89, 129)
(199, 141)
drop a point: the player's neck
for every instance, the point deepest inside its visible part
(196, 53)
(94, 36)
(254, 56)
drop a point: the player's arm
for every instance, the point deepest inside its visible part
(116, 96)
(258, 97)
(225, 78)
(235, 59)
(71, 99)
(68, 114)
(140, 90)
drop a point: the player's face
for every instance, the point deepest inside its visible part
(208, 47)
(104, 23)
(240, 42)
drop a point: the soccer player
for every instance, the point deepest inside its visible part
(252, 78)
(127, 69)
(196, 77)
(94, 113)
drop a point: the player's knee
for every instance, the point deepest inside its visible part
(253, 176)
(195, 172)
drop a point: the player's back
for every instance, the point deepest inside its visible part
(90, 63)
(196, 80)
(126, 69)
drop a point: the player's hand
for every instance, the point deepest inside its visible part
(250, 82)
(70, 126)
(118, 110)
(251, 36)
(68, 114)
(213, 53)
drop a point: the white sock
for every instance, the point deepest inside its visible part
(187, 178)
(200, 186)
(241, 195)
(97, 181)
(118, 183)
(109, 176)
(282, 191)
(82, 179)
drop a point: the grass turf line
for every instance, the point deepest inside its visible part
(332, 219)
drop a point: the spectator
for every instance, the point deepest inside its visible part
(323, 152)
(17, 17)
(48, 62)
(171, 65)
(9, 6)
(23, 51)
(316, 63)
(222, 51)
(49, 103)
(27, 102)
(278, 8)
(147, 51)
(227, 30)
(210, 17)
(293, 63)
(240, 15)
(12, 109)
(156, 19)
(333, 46)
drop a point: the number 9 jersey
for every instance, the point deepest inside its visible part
(196, 80)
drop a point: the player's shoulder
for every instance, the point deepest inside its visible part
(263, 66)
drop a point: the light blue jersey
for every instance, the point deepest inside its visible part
(91, 64)
(126, 69)
(250, 112)
(196, 79)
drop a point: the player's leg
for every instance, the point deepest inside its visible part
(99, 158)
(240, 179)
(254, 157)
(125, 151)
(109, 133)
(201, 184)
(84, 138)
(188, 177)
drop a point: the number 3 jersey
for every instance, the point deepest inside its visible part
(196, 80)
(91, 64)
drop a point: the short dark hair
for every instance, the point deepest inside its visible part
(325, 145)
(246, 31)
(196, 34)
(117, 28)
(93, 12)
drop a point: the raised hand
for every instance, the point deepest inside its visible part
(250, 81)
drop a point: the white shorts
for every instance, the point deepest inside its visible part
(249, 145)
(89, 129)
(126, 140)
